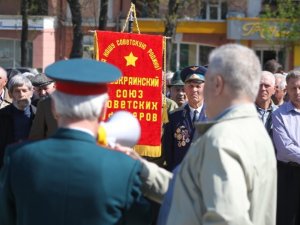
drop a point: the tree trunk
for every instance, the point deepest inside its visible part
(77, 48)
(170, 27)
(24, 34)
(103, 15)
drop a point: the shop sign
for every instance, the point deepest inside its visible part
(257, 30)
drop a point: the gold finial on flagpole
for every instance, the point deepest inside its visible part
(129, 20)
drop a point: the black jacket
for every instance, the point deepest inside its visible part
(7, 127)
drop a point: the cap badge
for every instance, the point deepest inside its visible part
(194, 68)
(194, 76)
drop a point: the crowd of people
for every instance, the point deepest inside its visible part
(231, 147)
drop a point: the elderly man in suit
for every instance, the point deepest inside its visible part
(16, 118)
(69, 178)
(179, 131)
(220, 180)
(44, 124)
(264, 104)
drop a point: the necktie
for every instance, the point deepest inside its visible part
(195, 116)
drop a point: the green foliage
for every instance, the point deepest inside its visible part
(38, 7)
(281, 23)
(147, 8)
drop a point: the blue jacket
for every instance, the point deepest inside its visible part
(69, 179)
(178, 135)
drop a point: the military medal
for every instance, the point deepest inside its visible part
(182, 136)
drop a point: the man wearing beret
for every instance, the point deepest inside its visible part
(44, 124)
(179, 131)
(69, 178)
(176, 87)
(43, 87)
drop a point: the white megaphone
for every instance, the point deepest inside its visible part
(121, 128)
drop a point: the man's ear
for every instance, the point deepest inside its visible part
(10, 94)
(219, 84)
(284, 90)
(274, 90)
(103, 113)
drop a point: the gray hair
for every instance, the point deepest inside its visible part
(282, 84)
(293, 74)
(78, 107)
(268, 74)
(17, 81)
(240, 68)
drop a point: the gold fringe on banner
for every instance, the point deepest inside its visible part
(96, 52)
(149, 151)
(165, 117)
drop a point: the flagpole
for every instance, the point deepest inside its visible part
(130, 21)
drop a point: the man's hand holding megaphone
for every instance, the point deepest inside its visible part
(122, 128)
(121, 132)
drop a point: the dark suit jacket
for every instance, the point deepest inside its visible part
(44, 124)
(178, 135)
(7, 127)
(69, 180)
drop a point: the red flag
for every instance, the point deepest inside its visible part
(139, 90)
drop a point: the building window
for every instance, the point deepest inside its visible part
(266, 54)
(204, 52)
(185, 54)
(214, 10)
(88, 46)
(10, 53)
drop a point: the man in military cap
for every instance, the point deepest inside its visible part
(179, 131)
(69, 178)
(176, 87)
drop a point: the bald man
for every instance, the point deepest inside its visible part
(263, 102)
(4, 97)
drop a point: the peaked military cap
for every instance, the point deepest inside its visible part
(176, 79)
(82, 76)
(193, 73)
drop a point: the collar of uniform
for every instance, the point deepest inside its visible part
(198, 109)
(69, 133)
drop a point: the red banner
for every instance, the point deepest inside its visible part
(139, 90)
